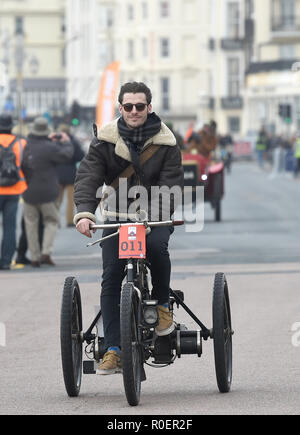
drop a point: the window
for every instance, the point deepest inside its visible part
(144, 10)
(249, 7)
(164, 9)
(288, 13)
(164, 47)
(110, 17)
(144, 47)
(233, 72)
(130, 47)
(283, 14)
(165, 93)
(234, 124)
(130, 12)
(19, 23)
(233, 20)
(287, 52)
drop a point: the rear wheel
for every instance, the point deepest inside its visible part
(222, 333)
(70, 336)
(218, 210)
(132, 360)
(217, 196)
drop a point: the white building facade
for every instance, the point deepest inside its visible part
(32, 50)
(191, 53)
(273, 77)
(167, 44)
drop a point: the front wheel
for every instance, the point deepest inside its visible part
(132, 360)
(222, 333)
(70, 336)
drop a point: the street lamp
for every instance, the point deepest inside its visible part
(19, 61)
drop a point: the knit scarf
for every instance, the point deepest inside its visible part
(135, 138)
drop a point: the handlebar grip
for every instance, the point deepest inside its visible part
(177, 223)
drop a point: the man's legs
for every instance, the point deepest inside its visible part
(70, 204)
(50, 215)
(112, 277)
(22, 246)
(158, 255)
(114, 273)
(260, 158)
(31, 218)
(9, 207)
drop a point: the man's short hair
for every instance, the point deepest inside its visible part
(135, 88)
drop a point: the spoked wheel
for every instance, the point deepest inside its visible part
(132, 360)
(222, 333)
(70, 339)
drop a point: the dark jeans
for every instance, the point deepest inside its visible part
(114, 273)
(9, 208)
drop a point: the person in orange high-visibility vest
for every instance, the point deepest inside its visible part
(10, 193)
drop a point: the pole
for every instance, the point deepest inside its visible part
(19, 58)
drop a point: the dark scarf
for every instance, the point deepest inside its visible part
(135, 138)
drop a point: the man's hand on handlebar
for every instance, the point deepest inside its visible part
(84, 227)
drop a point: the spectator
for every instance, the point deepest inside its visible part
(205, 140)
(43, 152)
(178, 137)
(22, 245)
(10, 193)
(297, 155)
(261, 147)
(277, 145)
(66, 174)
(226, 146)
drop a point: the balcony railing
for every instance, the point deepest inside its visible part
(232, 44)
(284, 23)
(232, 102)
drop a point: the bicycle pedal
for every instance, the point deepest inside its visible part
(180, 294)
(163, 350)
(89, 367)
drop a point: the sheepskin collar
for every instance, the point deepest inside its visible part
(110, 133)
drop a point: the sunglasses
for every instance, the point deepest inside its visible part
(139, 107)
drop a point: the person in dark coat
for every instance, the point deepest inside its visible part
(117, 145)
(66, 174)
(41, 156)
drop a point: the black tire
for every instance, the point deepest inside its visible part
(217, 196)
(132, 361)
(70, 339)
(222, 333)
(218, 210)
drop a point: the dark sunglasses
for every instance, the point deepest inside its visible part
(139, 107)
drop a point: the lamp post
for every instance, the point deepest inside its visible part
(2, 83)
(19, 61)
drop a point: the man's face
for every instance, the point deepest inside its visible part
(135, 118)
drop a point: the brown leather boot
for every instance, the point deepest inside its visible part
(35, 264)
(46, 259)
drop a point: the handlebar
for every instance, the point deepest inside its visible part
(117, 227)
(146, 224)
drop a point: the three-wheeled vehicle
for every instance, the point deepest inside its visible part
(138, 319)
(202, 171)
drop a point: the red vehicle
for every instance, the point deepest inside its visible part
(202, 171)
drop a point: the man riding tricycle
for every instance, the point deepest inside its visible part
(134, 323)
